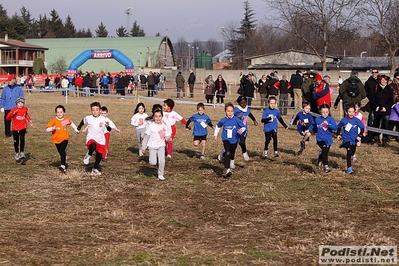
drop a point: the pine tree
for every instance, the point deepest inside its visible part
(137, 31)
(121, 32)
(101, 31)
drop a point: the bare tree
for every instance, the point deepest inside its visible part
(213, 46)
(384, 21)
(317, 22)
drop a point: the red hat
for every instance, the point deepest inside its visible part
(318, 77)
(10, 78)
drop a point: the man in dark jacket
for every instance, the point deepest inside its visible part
(180, 85)
(344, 90)
(121, 84)
(191, 81)
(284, 87)
(150, 84)
(370, 87)
(249, 89)
(296, 93)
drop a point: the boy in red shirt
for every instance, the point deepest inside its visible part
(19, 115)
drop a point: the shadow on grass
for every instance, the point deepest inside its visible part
(218, 170)
(189, 153)
(148, 171)
(134, 150)
(303, 167)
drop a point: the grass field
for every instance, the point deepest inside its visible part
(273, 211)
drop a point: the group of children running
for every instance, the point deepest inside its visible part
(156, 132)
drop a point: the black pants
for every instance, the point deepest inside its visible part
(350, 151)
(99, 156)
(230, 151)
(150, 90)
(7, 124)
(61, 148)
(219, 98)
(268, 137)
(19, 140)
(324, 151)
(121, 91)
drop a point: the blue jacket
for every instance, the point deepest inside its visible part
(350, 129)
(306, 121)
(245, 114)
(9, 95)
(230, 128)
(324, 133)
(200, 124)
(271, 115)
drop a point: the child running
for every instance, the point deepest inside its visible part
(95, 138)
(104, 113)
(232, 128)
(269, 117)
(200, 132)
(242, 111)
(351, 135)
(325, 125)
(303, 120)
(19, 115)
(138, 121)
(156, 134)
(171, 117)
(58, 126)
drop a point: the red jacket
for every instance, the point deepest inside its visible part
(19, 117)
(321, 93)
(79, 81)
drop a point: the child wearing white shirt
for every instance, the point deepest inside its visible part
(138, 121)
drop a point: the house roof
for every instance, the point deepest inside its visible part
(20, 44)
(70, 48)
(285, 51)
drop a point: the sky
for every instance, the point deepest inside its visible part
(193, 19)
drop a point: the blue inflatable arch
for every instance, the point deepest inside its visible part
(101, 54)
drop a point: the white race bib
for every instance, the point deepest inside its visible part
(229, 133)
(348, 127)
(203, 124)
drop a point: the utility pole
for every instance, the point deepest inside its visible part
(128, 12)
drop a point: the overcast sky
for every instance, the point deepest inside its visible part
(193, 19)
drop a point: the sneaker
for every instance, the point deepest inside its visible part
(22, 155)
(202, 157)
(299, 153)
(265, 152)
(228, 173)
(140, 153)
(16, 156)
(63, 168)
(220, 158)
(327, 169)
(169, 156)
(95, 172)
(246, 157)
(275, 154)
(232, 165)
(354, 158)
(86, 159)
(161, 178)
(349, 171)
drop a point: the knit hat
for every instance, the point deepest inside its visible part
(318, 77)
(10, 78)
(20, 99)
(240, 98)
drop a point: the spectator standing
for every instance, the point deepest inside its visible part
(296, 84)
(284, 87)
(78, 84)
(156, 83)
(9, 96)
(209, 89)
(262, 89)
(352, 90)
(150, 84)
(180, 85)
(191, 82)
(121, 84)
(370, 85)
(306, 86)
(161, 82)
(220, 89)
(249, 88)
(381, 103)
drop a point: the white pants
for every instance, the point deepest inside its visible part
(160, 153)
(140, 136)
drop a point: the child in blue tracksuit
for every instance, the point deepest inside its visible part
(304, 120)
(269, 117)
(351, 135)
(201, 121)
(232, 128)
(325, 125)
(242, 111)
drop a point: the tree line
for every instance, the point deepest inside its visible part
(323, 27)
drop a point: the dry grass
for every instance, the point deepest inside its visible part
(271, 212)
